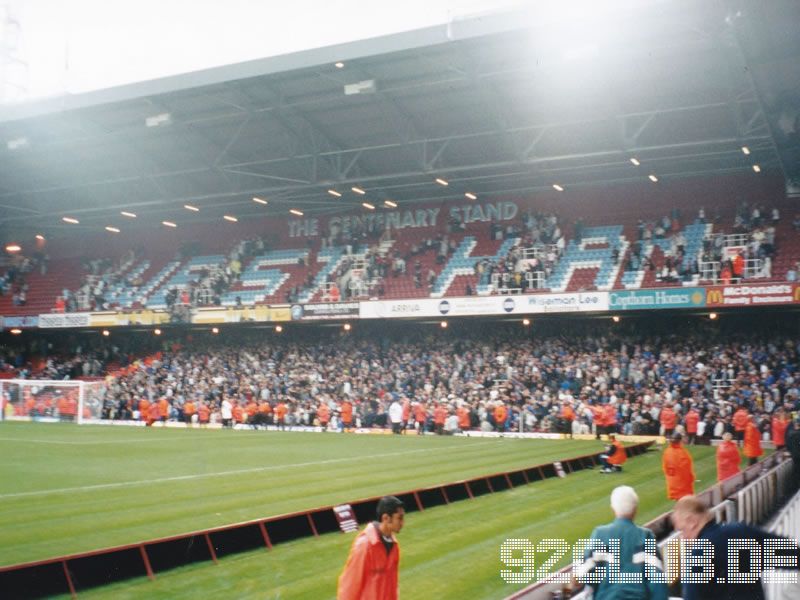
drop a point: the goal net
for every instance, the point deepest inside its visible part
(52, 401)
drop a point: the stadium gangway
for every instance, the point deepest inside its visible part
(750, 496)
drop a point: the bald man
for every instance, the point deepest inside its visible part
(698, 526)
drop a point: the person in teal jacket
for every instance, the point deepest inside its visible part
(621, 561)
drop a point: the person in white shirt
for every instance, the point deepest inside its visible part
(396, 416)
(227, 412)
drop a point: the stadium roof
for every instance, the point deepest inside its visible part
(500, 104)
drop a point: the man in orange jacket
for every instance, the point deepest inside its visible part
(728, 458)
(614, 457)
(740, 420)
(668, 420)
(780, 422)
(678, 469)
(752, 441)
(690, 422)
(371, 570)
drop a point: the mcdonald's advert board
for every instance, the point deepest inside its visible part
(755, 294)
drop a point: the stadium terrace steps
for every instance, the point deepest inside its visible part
(44, 289)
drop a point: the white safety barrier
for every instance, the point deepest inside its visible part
(752, 503)
(786, 523)
(758, 500)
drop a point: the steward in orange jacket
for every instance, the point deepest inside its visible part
(371, 570)
(728, 458)
(324, 415)
(678, 468)
(780, 422)
(690, 421)
(614, 457)
(439, 417)
(347, 414)
(153, 414)
(752, 442)
(189, 409)
(500, 416)
(740, 419)
(668, 420)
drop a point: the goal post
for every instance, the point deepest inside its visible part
(52, 401)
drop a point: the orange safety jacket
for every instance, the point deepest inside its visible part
(668, 418)
(620, 456)
(370, 573)
(692, 419)
(728, 460)
(752, 442)
(678, 469)
(740, 419)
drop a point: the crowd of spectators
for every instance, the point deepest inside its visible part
(531, 260)
(487, 380)
(14, 281)
(44, 363)
(755, 250)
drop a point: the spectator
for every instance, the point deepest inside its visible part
(695, 522)
(634, 543)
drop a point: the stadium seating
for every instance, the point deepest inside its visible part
(598, 260)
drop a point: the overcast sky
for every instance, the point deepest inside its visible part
(74, 46)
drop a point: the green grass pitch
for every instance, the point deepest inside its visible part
(67, 489)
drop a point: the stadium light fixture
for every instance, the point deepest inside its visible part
(558, 188)
(358, 190)
(258, 200)
(158, 120)
(443, 324)
(17, 143)
(168, 224)
(390, 203)
(368, 206)
(191, 207)
(130, 215)
(615, 318)
(745, 150)
(12, 248)
(335, 193)
(70, 220)
(757, 168)
(40, 237)
(111, 229)
(231, 218)
(215, 330)
(713, 316)
(471, 196)
(278, 328)
(157, 331)
(653, 178)
(106, 333)
(347, 327)
(16, 331)
(297, 213)
(441, 181)
(526, 322)
(635, 162)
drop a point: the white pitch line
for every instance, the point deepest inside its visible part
(93, 443)
(121, 484)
